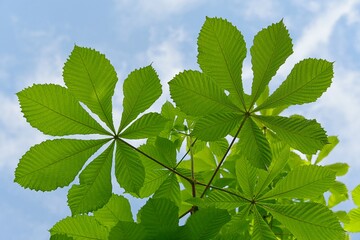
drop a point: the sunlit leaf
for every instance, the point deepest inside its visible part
(95, 185)
(197, 94)
(54, 163)
(308, 221)
(332, 142)
(254, 145)
(221, 51)
(340, 168)
(91, 78)
(115, 210)
(354, 224)
(215, 126)
(129, 170)
(53, 110)
(356, 195)
(304, 135)
(80, 227)
(303, 182)
(141, 89)
(272, 46)
(148, 125)
(307, 81)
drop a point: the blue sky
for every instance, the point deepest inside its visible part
(37, 37)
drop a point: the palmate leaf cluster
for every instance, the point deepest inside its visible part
(225, 157)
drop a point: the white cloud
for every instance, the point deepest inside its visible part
(141, 11)
(317, 34)
(261, 9)
(166, 58)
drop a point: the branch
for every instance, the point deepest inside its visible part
(223, 158)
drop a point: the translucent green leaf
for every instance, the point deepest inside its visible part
(80, 227)
(54, 111)
(356, 195)
(141, 89)
(115, 210)
(339, 193)
(128, 231)
(261, 229)
(159, 217)
(304, 135)
(166, 151)
(280, 157)
(129, 170)
(239, 220)
(307, 81)
(303, 182)
(354, 224)
(221, 51)
(205, 223)
(308, 221)
(91, 78)
(254, 145)
(155, 174)
(246, 175)
(54, 163)
(169, 189)
(219, 147)
(60, 237)
(332, 142)
(148, 125)
(340, 168)
(225, 200)
(272, 46)
(95, 186)
(197, 94)
(215, 126)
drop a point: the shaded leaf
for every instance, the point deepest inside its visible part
(159, 217)
(54, 111)
(128, 231)
(205, 224)
(169, 189)
(54, 163)
(279, 161)
(246, 175)
(261, 228)
(91, 78)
